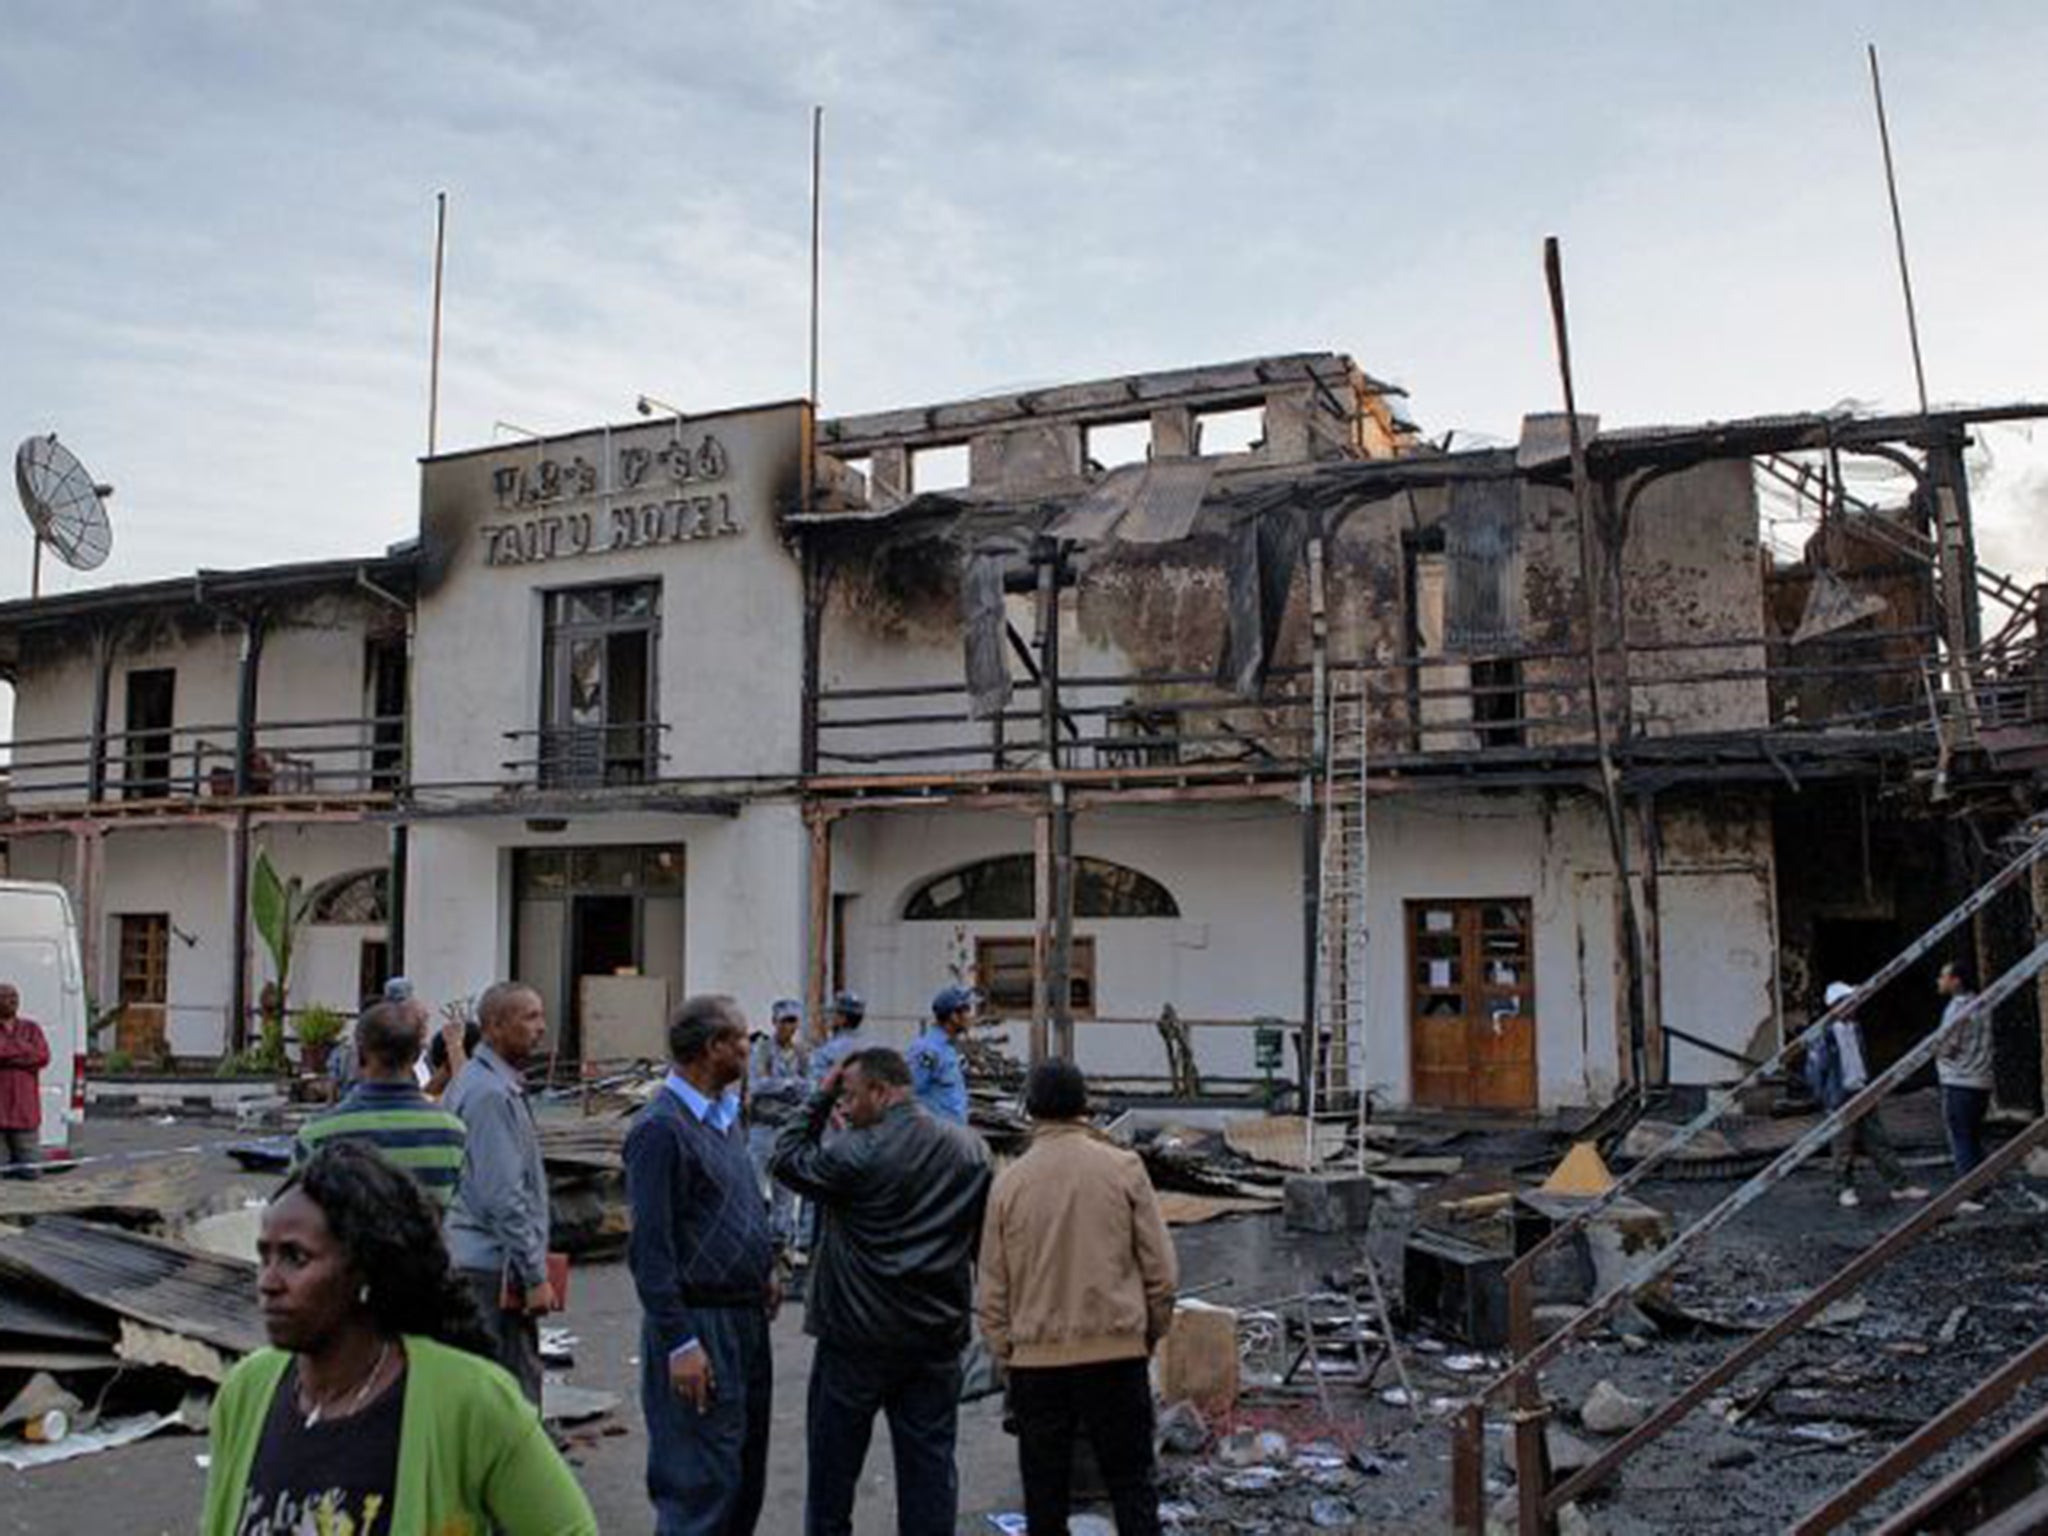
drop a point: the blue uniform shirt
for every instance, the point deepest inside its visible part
(936, 1076)
(834, 1050)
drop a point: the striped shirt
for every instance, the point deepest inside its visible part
(400, 1122)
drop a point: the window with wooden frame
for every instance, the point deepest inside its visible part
(599, 718)
(1002, 967)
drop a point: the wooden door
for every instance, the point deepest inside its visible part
(144, 983)
(1472, 1004)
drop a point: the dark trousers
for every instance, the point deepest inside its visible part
(514, 1336)
(1963, 1111)
(922, 1401)
(20, 1152)
(707, 1472)
(1112, 1404)
(1867, 1138)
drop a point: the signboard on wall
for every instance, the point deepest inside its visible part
(663, 484)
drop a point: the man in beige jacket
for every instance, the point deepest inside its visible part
(1077, 1284)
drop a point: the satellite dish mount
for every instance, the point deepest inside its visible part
(65, 506)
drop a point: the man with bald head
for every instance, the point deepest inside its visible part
(498, 1226)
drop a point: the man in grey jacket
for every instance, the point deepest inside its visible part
(498, 1227)
(1962, 1064)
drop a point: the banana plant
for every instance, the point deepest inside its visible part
(278, 907)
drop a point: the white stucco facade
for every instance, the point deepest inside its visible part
(1234, 953)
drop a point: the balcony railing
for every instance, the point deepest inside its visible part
(1415, 707)
(586, 756)
(287, 759)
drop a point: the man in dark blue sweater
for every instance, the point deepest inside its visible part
(703, 1262)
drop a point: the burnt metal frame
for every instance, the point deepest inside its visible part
(1539, 1503)
(1954, 1420)
(1966, 1491)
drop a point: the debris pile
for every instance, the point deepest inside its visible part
(107, 1336)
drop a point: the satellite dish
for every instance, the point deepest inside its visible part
(65, 507)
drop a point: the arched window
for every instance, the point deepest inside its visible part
(358, 897)
(1002, 888)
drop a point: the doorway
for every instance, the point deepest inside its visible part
(384, 693)
(1471, 1004)
(598, 912)
(146, 758)
(602, 938)
(143, 984)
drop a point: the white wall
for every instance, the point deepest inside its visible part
(1719, 924)
(743, 898)
(730, 659)
(312, 669)
(184, 871)
(1235, 951)
(327, 957)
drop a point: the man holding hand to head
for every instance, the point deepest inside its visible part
(892, 1287)
(703, 1262)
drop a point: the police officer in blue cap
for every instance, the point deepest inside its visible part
(937, 1078)
(849, 1012)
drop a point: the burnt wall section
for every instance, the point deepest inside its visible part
(1856, 620)
(1462, 604)
(1308, 407)
(1693, 604)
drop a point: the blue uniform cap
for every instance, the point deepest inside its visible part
(952, 1000)
(850, 1004)
(785, 1008)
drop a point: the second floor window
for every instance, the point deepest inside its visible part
(599, 723)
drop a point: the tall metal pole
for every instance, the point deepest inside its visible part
(434, 358)
(1610, 779)
(1891, 187)
(817, 227)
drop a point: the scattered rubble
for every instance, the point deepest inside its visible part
(1608, 1410)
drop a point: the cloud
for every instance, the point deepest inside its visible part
(217, 285)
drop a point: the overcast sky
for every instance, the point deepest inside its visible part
(216, 273)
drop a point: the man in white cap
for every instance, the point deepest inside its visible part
(1836, 1073)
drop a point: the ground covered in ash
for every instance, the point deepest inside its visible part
(1794, 1427)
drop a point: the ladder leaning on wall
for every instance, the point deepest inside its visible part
(1338, 1081)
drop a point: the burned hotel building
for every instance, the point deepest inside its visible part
(1183, 713)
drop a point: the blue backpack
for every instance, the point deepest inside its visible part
(1823, 1070)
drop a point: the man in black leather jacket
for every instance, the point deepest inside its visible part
(891, 1288)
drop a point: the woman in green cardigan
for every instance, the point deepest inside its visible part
(371, 1415)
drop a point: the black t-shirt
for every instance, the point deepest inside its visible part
(339, 1475)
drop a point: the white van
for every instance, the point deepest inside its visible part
(39, 955)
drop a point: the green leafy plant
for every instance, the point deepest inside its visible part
(119, 1061)
(319, 1027)
(98, 1021)
(278, 907)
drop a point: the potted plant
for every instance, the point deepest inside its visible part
(319, 1027)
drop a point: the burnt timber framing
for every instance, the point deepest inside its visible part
(1610, 471)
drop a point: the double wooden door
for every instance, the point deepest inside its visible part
(1471, 1004)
